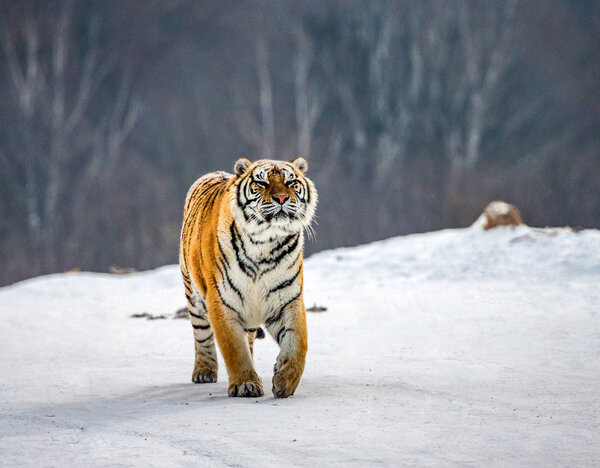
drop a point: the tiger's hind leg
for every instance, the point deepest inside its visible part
(205, 362)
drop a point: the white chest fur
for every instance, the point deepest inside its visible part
(260, 273)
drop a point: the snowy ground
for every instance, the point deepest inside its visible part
(458, 347)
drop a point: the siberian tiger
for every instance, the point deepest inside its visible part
(241, 260)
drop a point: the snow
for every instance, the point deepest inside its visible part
(457, 347)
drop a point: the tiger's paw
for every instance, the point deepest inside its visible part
(246, 389)
(286, 378)
(204, 375)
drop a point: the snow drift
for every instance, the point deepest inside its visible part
(452, 347)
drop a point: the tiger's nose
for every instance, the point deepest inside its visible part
(280, 197)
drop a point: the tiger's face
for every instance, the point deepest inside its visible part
(274, 194)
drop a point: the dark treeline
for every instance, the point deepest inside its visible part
(413, 116)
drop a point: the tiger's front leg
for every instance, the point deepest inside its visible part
(233, 343)
(288, 327)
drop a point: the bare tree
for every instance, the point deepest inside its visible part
(309, 96)
(27, 80)
(265, 98)
(414, 114)
(58, 134)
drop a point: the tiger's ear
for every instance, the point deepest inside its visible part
(241, 166)
(300, 164)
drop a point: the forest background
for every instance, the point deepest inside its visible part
(413, 115)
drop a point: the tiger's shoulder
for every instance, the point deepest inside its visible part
(206, 188)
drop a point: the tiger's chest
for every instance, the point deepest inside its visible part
(259, 278)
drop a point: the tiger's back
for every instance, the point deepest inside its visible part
(198, 233)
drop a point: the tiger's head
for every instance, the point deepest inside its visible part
(274, 194)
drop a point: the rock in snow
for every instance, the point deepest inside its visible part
(458, 347)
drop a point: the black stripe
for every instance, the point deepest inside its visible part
(193, 194)
(270, 240)
(284, 284)
(205, 339)
(200, 305)
(225, 303)
(257, 220)
(200, 327)
(272, 320)
(196, 315)
(285, 242)
(205, 197)
(202, 204)
(222, 252)
(296, 259)
(284, 252)
(241, 186)
(247, 269)
(190, 218)
(275, 261)
(245, 185)
(190, 198)
(282, 333)
(212, 183)
(242, 245)
(225, 275)
(302, 191)
(211, 200)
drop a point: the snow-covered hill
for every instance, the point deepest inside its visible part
(458, 347)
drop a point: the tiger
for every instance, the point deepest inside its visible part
(241, 259)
